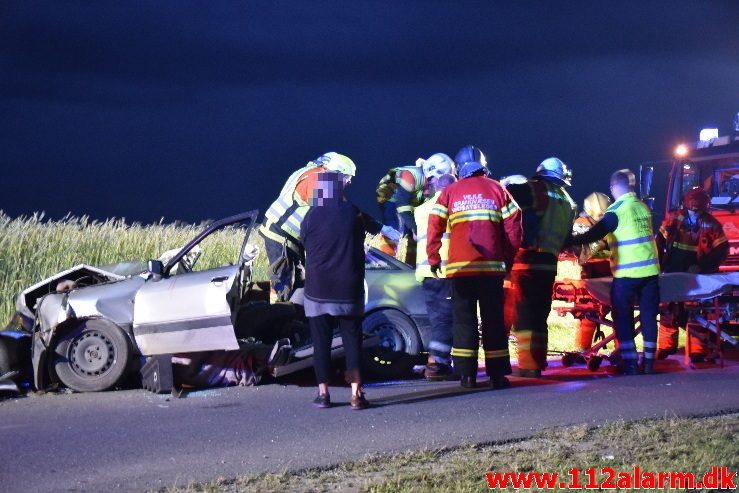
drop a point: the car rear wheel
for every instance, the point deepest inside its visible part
(91, 357)
(399, 342)
(5, 360)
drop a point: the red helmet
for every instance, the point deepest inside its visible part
(696, 199)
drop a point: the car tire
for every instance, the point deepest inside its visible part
(93, 356)
(5, 359)
(395, 356)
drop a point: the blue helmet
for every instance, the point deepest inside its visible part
(470, 160)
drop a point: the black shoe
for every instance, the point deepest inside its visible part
(697, 358)
(522, 372)
(322, 401)
(468, 382)
(500, 382)
(664, 353)
(437, 371)
(630, 368)
(359, 402)
(648, 366)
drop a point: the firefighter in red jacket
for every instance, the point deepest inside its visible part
(548, 213)
(484, 233)
(690, 239)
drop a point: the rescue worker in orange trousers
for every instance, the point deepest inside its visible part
(592, 258)
(548, 214)
(690, 239)
(403, 189)
(484, 226)
(281, 226)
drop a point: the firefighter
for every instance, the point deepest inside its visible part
(484, 226)
(548, 213)
(592, 258)
(436, 289)
(281, 227)
(400, 191)
(690, 239)
(627, 225)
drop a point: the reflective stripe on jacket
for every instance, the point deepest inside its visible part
(547, 221)
(288, 211)
(423, 268)
(408, 179)
(484, 227)
(701, 241)
(556, 220)
(632, 245)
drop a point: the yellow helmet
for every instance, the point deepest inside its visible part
(595, 205)
(333, 161)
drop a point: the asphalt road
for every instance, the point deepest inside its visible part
(135, 441)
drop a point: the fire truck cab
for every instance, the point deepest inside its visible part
(712, 163)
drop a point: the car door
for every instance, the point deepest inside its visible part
(185, 313)
(189, 312)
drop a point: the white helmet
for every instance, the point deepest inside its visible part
(555, 168)
(436, 165)
(333, 161)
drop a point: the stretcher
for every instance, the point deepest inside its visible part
(709, 300)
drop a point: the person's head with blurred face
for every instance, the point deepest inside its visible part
(329, 189)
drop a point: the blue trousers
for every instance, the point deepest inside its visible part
(626, 292)
(438, 295)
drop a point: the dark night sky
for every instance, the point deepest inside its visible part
(195, 110)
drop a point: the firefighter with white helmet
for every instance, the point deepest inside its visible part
(437, 165)
(548, 214)
(401, 190)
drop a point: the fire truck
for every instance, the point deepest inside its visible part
(711, 163)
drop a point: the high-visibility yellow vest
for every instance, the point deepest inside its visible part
(632, 245)
(556, 222)
(423, 269)
(287, 212)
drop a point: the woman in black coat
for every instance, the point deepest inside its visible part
(332, 234)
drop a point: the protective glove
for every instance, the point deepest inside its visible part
(435, 270)
(390, 233)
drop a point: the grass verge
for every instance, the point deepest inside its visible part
(656, 445)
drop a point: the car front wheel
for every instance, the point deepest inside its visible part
(399, 343)
(91, 357)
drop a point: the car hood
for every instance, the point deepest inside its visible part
(89, 275)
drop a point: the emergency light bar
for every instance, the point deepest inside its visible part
(708, 134)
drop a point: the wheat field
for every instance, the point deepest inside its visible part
(33, 248)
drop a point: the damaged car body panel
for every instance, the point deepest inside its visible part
(156, 313)
(79, 275)
(95, 332)
(185, 313)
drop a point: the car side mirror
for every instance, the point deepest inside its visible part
(646, 173)
(156, 268)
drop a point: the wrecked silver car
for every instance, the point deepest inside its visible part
(93, 326)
